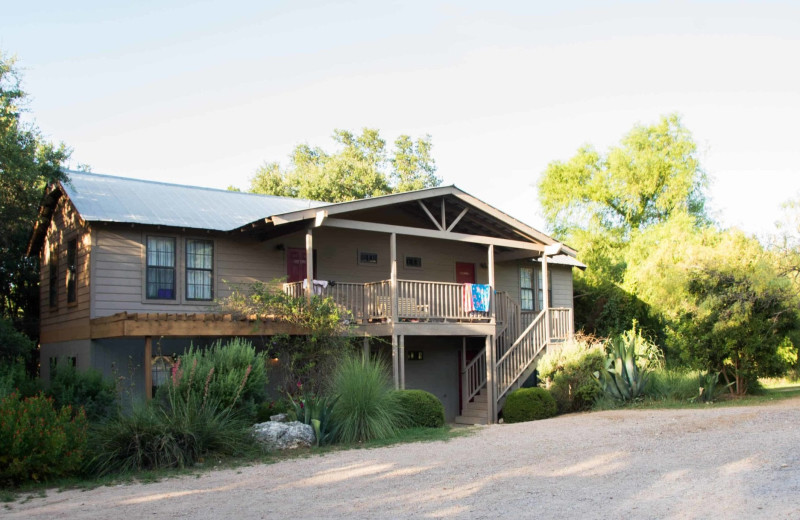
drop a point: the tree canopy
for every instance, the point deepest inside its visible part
(362, 167)
(27, 163)
(653, 173)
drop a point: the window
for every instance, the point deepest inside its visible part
(367, 258)
(72, 270)
(53, 278)
(526, 288)
(199, 269)
(160, 268)
(540, 299)
(414, 262)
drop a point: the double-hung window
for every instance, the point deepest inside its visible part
(160, 268)
(199, 269)
(540, 293)
(72, 271)
(53, 272)
(526, 288)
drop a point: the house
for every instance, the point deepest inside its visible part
(131, 269)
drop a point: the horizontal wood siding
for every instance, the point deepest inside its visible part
(66, 321)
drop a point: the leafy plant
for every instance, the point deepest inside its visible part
(38, 441)
(316, 410)
(529, 404)
(622, 377)
(422, 409)
(85, 389)
(367, 408)
(14, 379)
(567, 373)
(710, 389)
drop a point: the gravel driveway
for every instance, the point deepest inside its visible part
(737, 462)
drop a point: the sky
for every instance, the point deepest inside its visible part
(202, 93)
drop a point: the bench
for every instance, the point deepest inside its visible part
(407, 308)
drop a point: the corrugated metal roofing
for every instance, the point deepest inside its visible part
(105, 198)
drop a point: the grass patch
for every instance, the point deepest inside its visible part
(767, 395)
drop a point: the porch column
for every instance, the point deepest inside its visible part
(309, 264)
(366, 347)
(492, 292)
(402, 357)
(395, 363)
(491, 405)
(546, 299)
(148, 367)
(393, 279)
(464, 389)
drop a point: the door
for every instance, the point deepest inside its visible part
(296, 264)
(465, 272)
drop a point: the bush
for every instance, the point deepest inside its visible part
(316, 411)
(568, 373)
(627, 369)
(39, 442)
(177, 434)
(82, 389)
(14, 345)
(14, 379)
(529, 404)
(267, 409)
(230, 374)
(421, 408)
(677, 384)
(366, 408)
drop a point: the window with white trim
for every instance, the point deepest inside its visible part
(199, 269)
(526, 287)
(160, 268)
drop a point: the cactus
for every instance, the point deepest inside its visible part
(622, 378)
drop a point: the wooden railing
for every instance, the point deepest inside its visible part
(561, 325)
(508, 322)
(521, 354)
(474, 376)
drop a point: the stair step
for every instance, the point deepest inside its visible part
(462, 419)
(476, 406)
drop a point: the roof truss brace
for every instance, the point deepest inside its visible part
(430, 215)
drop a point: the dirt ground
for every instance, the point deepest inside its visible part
(736, 462)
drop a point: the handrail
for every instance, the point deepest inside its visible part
(520, 355)
(475, 375)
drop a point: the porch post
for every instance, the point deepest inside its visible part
(464, 387)
(366, 347)
(546, 299)
(393, 281)
(148, 367)
(492, 292)
(395, 363)
(309, 264)
(402, 358)
(491, 405)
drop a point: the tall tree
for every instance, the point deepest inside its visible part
(362, 167)
(650, 175)
(27, 164)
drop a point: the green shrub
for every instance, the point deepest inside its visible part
(267, 409)
(14, 345)
(39, 442)
(366, 408)
(229, 373)
(568, 373)
(678, 384)
(529, 404)
(82, 389)
(421, 408)
(176, 434)
(316, 411)
(15, 379)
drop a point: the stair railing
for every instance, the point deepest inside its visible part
(521, 354)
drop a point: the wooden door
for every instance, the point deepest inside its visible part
(465, 272)
(296, 264)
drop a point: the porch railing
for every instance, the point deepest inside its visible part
(474, 376)
(416, 300)
(521, 354)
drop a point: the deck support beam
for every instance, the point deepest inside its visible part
(148, 367)
(402, 358)
(491, 404)
(395, 362)
(393, 279)
(546, 300)
(309, 264)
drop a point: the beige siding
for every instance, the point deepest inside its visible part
(65, 321)
(119, 270)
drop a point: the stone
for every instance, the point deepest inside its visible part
(281, 417)
(284, 435)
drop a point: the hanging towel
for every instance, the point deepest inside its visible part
(319, 286)
(480, 297)
(466, 298)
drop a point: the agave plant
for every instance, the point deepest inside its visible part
(622, 378)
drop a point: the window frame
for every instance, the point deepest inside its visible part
(186, 270)
(174, 268)
(406, 258)
(531, 289)
(72, 271)
(52, 262)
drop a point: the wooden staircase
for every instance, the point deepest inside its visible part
(474, 411)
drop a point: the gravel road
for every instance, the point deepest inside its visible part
(736, 462)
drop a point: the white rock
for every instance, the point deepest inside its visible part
(284, 435)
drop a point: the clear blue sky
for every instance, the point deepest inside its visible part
(203, 92)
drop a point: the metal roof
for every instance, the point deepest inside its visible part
(103, 198)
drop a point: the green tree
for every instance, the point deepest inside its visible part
(362, 167)
(27, 164)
